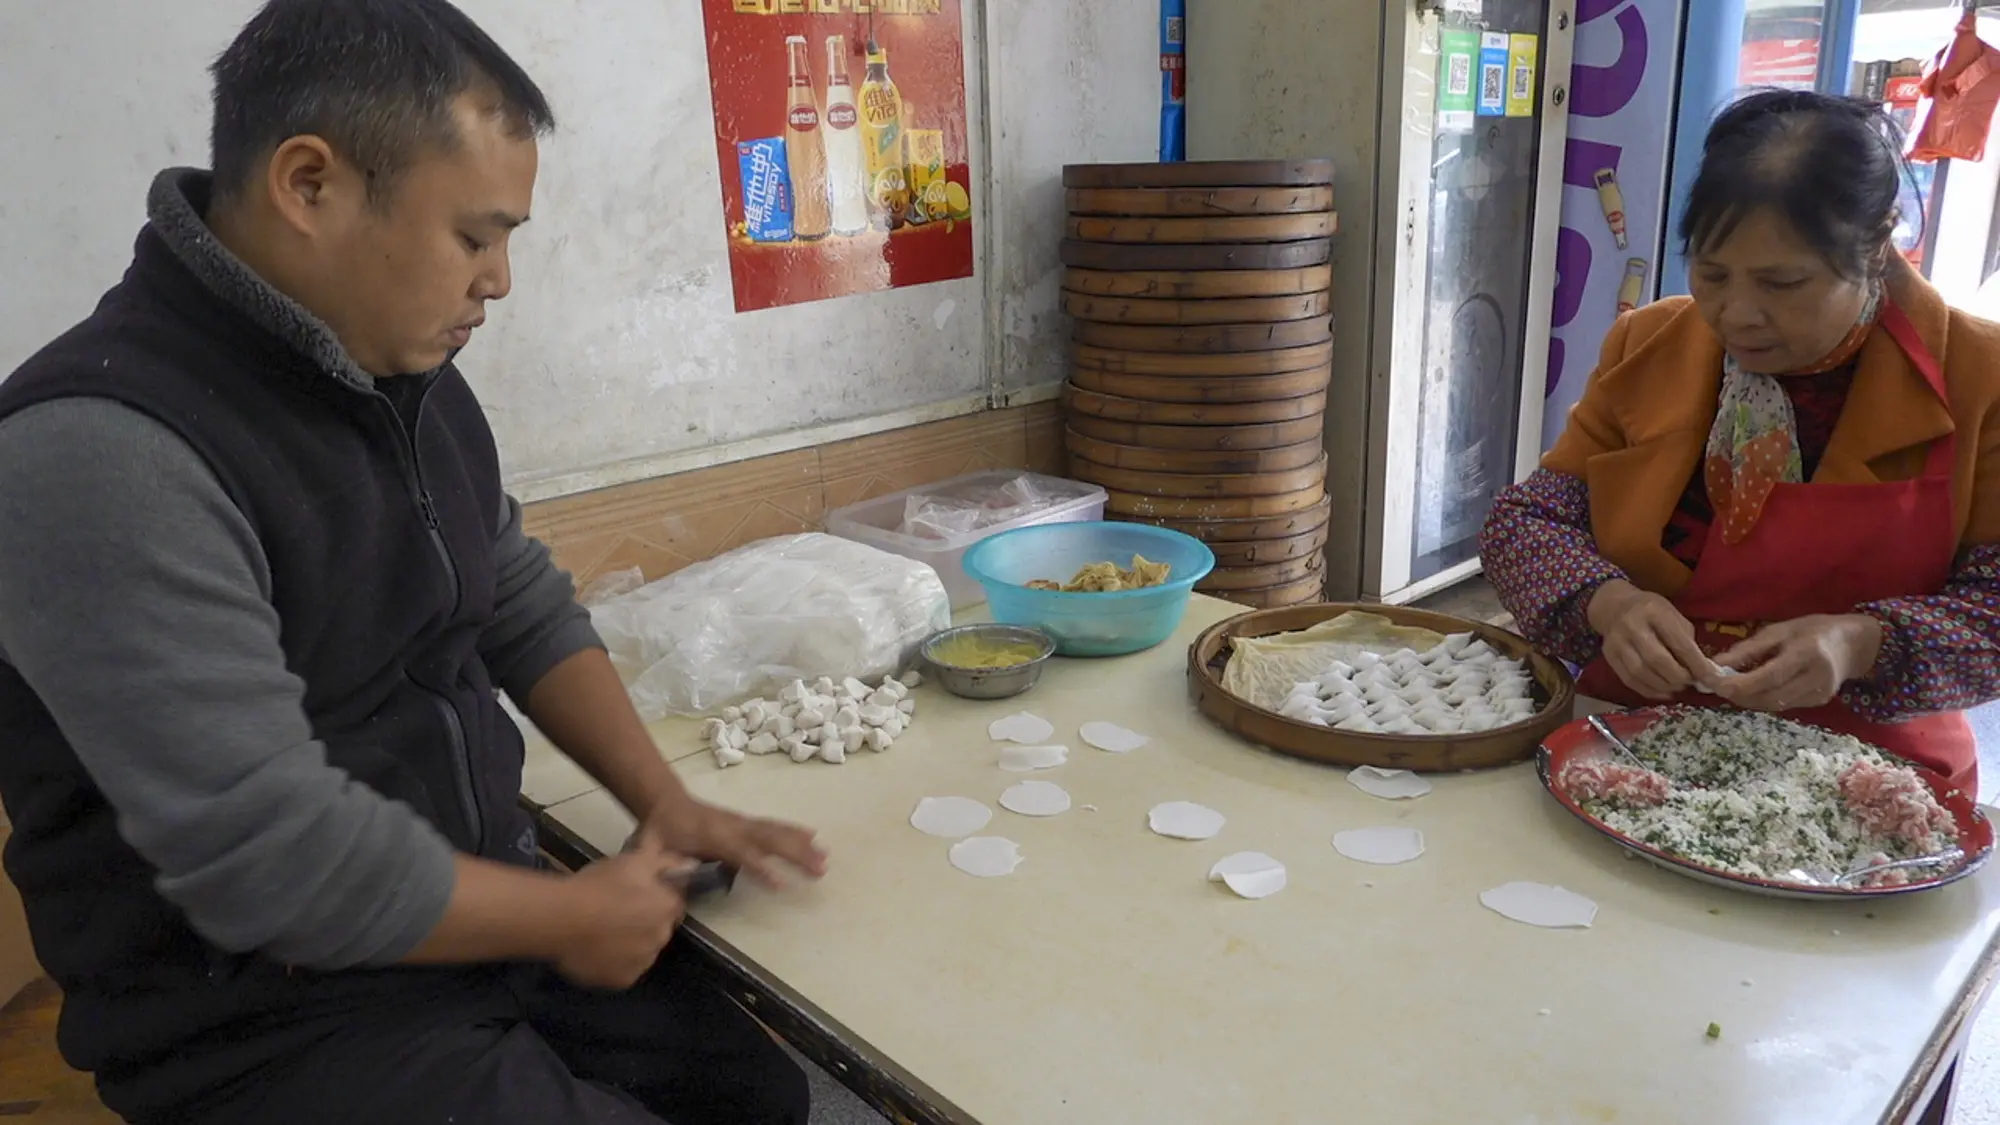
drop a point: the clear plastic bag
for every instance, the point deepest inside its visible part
(949, 516)
(605, 587)
(748, 622)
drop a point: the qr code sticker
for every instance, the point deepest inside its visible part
(1175, 30)
(1523, 82)
(1458, 80)
(1491, 82)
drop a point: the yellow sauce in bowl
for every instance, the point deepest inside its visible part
(978, 652)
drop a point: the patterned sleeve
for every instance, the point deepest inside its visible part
(1543, 562)
(1939, 653)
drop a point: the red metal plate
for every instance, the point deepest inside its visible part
(1578, 742)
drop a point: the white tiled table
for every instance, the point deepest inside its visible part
(1108, 981)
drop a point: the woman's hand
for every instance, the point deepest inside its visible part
(1799, 663)
(1647, 641)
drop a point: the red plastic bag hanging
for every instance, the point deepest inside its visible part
(1960, 89)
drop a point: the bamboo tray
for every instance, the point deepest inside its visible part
(1191, 388)
(1196, 202)
(1285, 572)
(1201, 485)
(1198, 285)
(1306, 591)
(1257, 552)
(1234, 310)
(1249, 529)
(1121, 503)
(1117, 408)
(1201, 174)
(1144, 459)
(1205, 338)
(1273, 362)
(1119, 256)
(1203, 232)
(1198, 436)
(1430, 753)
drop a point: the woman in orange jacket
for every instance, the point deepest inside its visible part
(1782, 493)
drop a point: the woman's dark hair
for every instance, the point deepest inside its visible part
(1830, 166)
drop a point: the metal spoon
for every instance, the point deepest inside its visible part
(1601, 727)
(1951, 856)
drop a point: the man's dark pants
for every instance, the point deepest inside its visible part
(529, 1050)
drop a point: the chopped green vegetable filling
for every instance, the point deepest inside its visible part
(1715, 1031)
(1753, 794)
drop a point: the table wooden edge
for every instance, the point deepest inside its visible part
(872, 1076)
(1931, 1079)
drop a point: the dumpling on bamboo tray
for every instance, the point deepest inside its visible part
(1363, 673)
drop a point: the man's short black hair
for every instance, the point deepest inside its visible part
(375, 79)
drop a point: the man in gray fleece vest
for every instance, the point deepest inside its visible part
(259, 586)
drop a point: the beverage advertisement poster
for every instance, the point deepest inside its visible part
(840, 128)
(1614, 200)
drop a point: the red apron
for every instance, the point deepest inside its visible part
(1824, 549)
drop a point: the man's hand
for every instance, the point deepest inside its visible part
(1800, 663)
(625, 910)
(1648, 642)
(762, 848)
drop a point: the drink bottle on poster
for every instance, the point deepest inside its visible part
(805, 147)
(883, 139)
(1611, 198)
(845, 162)
(1633, 286)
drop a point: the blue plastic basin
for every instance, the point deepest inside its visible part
(1089, 624)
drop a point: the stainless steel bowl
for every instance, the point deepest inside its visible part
(989, 683)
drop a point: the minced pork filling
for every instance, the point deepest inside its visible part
(1757, 795)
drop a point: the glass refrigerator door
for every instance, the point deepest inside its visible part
(1480, 128)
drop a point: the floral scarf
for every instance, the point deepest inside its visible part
(1754, 444)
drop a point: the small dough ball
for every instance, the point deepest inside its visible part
(879, 740)
(810, 717)
(801, 750)
(711, 729)
(907, 706)
(782, 726)
(847, 717)
(792, 692)
(738, 738)
(833, 752)
(882, 698)
(913, 679)
(895, 726)
(874, 715)
(726, 756)
(854, 687)
(823, 685)
(895, 687)
(765, 743)
(829, 734)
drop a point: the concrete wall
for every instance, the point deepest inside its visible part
(1297, 79)
(619, 356)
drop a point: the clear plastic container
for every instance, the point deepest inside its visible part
(954, 514)
(1100, 624)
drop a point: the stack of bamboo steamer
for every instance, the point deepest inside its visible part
(1200, 295)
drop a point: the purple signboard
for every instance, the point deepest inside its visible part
(1614, 183)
